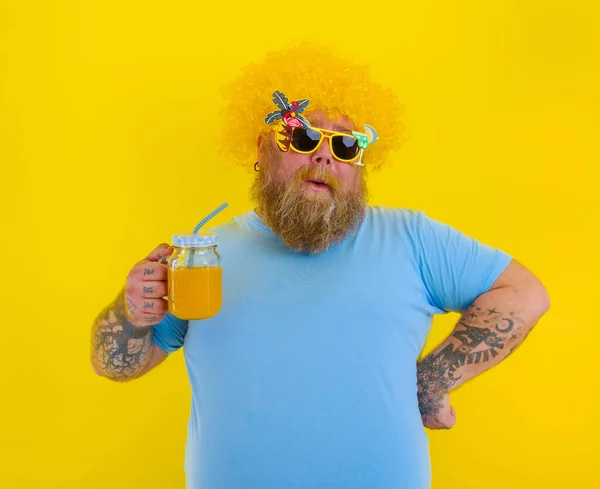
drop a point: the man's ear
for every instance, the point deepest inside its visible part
(259, 141)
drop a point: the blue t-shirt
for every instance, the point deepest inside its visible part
(306, 378)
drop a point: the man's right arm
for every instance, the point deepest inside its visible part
(121, 350)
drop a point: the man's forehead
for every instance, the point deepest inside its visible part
(334, 122)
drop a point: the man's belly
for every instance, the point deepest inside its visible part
(283, 435)
(286, 398)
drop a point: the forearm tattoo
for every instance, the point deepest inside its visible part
(120, 349)
(480, 336)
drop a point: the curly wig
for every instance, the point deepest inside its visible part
(332, 84)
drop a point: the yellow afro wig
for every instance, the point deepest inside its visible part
(333, 85)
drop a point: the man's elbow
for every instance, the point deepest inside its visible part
(114, 376)
(526, 285)
(546, 301)
(539, 299)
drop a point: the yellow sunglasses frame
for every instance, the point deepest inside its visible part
(324, 136)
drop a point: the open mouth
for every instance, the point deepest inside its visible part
(318, 183)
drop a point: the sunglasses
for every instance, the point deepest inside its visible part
(306, 140)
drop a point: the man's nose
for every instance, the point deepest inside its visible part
(323, 155)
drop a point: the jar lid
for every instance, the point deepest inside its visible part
(195, 240)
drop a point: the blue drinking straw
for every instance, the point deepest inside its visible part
(202, 223)
(210, 216)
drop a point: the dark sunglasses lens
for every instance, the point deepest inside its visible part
(305, 139)
(345, 147)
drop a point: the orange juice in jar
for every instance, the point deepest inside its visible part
(195, 287)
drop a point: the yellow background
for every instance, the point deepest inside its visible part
(107, 147)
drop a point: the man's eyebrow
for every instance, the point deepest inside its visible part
(342, 129)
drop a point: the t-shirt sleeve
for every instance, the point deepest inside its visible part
(455, 268)
(169, 333)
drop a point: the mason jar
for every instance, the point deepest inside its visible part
(194, 276)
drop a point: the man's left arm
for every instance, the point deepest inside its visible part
(489, 330)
